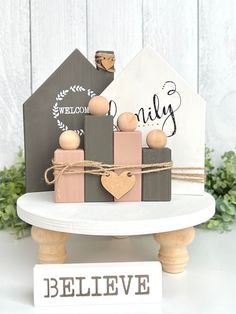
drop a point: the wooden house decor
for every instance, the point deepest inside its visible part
(150, 88)
(59, 104)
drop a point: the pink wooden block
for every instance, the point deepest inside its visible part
(128, 150)
(70, 187)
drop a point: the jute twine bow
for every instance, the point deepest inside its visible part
(105, 61)
(100, 169)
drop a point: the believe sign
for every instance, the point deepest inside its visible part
(100, 283)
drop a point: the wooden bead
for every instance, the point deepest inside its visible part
(98, 106)
(156, 139)
(127, 122)
(69, 140)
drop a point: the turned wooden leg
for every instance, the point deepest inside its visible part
(173, 253)
(51, 245)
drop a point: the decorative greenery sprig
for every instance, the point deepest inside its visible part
(12, 185)
(221, 183)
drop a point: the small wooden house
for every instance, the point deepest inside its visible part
(57, 105)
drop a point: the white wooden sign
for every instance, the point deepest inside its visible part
(97, 283)
(161, 99)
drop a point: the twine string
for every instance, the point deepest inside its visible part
(100, 169)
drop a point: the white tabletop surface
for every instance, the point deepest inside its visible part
(206, 287)
(133, 218)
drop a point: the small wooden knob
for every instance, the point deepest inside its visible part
(98, 106)
(127, 122)
(156, 139)
(69, 140)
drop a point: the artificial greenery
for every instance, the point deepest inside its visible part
(12, 185)
(220, 182)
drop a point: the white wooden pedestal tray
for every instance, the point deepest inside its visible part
(171, 223)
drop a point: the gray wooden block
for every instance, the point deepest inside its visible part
(98, 143)
(59, 103)
(156, 186)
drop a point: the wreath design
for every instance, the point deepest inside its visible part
(60, 96)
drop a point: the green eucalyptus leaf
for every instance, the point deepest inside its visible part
(12, 185)
(221, 183)
(226, 217)
(231, 210)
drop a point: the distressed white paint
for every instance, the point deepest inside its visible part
(217, 71)
(170, 27)
(115, 25)
(14, 75)
(115, 218)
(58, 26)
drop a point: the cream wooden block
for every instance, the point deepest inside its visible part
(173, 253)
(51, 245)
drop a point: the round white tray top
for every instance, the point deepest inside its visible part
(117, 218)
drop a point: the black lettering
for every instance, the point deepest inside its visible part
(66, 286)
(96, 294)
(81, 294)
(172, 115)
(126, 287)
(47, 295)
(160, 110)
(111, 289)
(51, 286)
(143, 287)
(112, 108)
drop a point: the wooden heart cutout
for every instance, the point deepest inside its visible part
(118, 185)
(107, 63)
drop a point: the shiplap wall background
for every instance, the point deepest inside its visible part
(197, 37)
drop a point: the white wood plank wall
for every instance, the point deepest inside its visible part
(15, 78)
(217, 71)
(197, 37)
